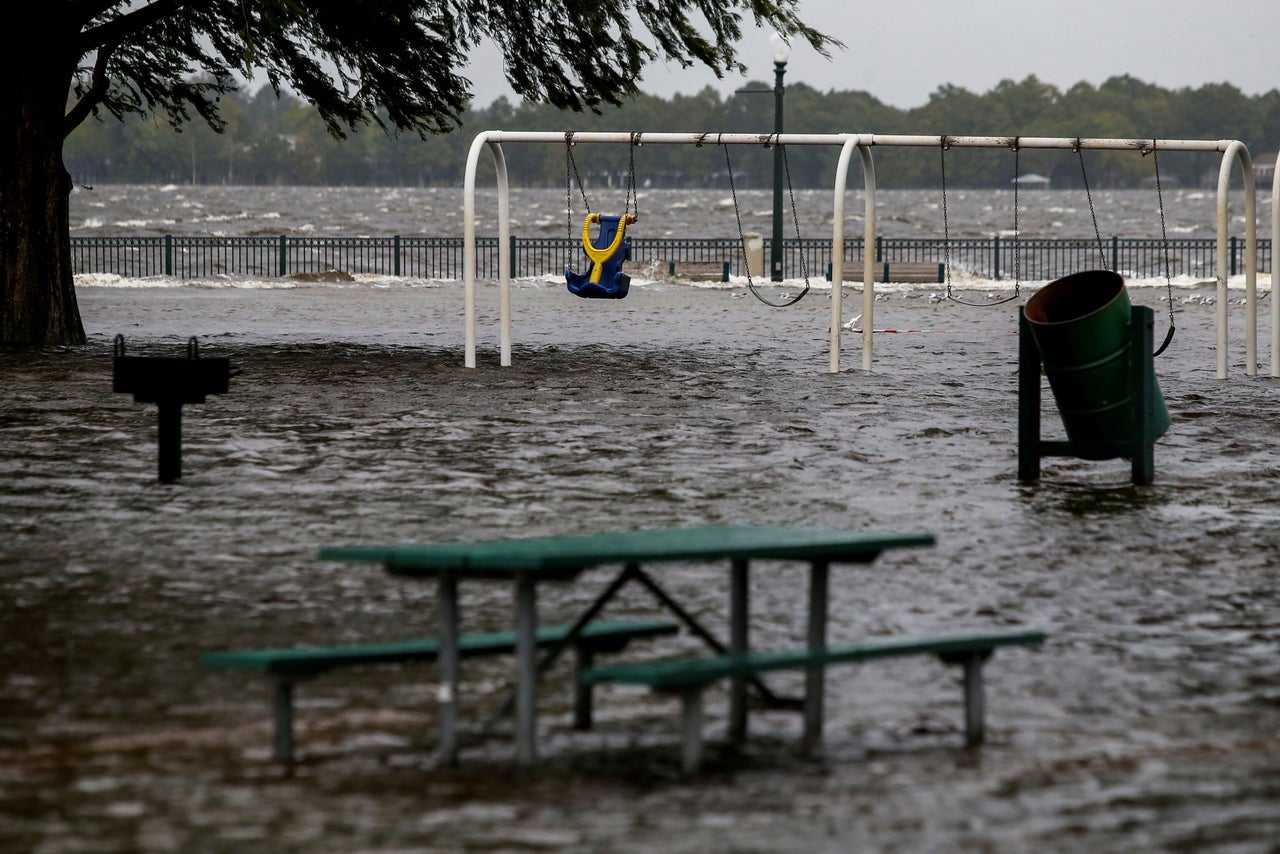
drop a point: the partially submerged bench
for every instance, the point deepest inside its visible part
(528, 562)
(894, 271)
(689, 677)
(699, 271)
(286, 667)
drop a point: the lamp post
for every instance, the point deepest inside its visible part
(781, 52)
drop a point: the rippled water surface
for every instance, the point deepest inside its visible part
(1149, 720)
(117, 210)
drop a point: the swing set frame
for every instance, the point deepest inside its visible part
(1233, 151)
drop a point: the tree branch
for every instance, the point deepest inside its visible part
(82, 109)
(115, 31)
(84, 11)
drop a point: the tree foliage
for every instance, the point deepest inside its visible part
(394, 64)
(283, 141)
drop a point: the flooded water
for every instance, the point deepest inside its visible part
(437, 212)
(1148, 722)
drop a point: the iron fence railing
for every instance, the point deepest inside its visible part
(193, 257)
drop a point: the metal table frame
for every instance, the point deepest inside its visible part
(561, 559)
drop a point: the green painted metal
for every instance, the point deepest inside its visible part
(1081, 326)
(689, 672)
(565, 557)
(598, 636)
(1137, 445)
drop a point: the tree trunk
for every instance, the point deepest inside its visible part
(37, 292)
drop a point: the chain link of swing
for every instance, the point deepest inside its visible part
(1164, 241)
(1017, 232)
(1164, 232)
(1084, 176)
(571, 171)
(795, 219)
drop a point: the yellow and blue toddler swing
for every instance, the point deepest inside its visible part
(608, 251)
(610, 247)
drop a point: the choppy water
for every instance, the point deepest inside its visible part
(1148, 722)
(437, 212)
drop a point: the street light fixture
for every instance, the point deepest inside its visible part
(781, 53)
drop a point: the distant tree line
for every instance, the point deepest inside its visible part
(283, 141)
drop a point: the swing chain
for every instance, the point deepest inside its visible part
(571, 169)
(1097, 232)
(795, 220)
(633, 197)
(571, 164)
(742, 239)
(1017, 230)
(943, 145)
(1164, 240)
(733, 193)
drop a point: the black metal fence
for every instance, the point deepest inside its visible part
(188, 257)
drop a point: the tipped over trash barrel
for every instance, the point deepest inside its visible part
(1080, 324)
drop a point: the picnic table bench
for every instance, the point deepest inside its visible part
(526, 562)
(690, 676)
(894, 271)
(287, 667)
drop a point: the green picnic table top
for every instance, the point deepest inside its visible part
(566, 556)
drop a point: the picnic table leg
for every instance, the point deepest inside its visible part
(283, 706)
(526, 670)
(582, 711)
(974, 701)
(815, 677)
(739, 607)
(691, 728)
(550, 657)
(711, 640)
(447, 693)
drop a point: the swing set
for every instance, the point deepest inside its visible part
(610, 247)
(1093, 214)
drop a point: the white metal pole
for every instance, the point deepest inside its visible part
(469, 249)
(1238, 151)
(1250, 261)
(1233, 151)
(1275, 275)
(669, 138)
(837, 253)
(504, 255)
(868, 255)
(1115, 144)
(1224, 179)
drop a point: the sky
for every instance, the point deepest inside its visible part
(903, 50)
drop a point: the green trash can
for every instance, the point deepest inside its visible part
(1080, 324)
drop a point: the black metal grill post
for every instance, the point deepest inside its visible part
(170, 383)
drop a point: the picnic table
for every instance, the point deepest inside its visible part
(530, 561)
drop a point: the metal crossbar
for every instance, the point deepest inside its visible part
(1233, 151)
